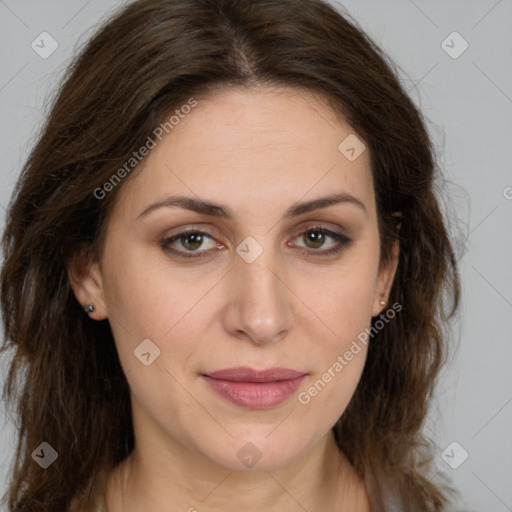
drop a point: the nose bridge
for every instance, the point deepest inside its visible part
(259, 308)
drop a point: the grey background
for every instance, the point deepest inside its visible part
(468, 104)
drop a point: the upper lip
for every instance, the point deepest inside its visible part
(245, 374)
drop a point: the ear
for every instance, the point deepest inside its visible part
(87, 283)
(385, 279)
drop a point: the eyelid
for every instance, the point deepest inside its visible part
(319, 225)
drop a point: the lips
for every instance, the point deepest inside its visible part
(255, 389)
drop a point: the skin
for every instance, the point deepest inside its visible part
(257, 152)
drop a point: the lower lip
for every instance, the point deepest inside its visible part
(255, 395)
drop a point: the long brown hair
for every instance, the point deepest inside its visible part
(65, 378)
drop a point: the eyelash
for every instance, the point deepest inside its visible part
(342, 243)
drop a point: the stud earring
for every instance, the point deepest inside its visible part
(90, 309)
(382, 302)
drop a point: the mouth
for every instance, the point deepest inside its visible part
(255, 389)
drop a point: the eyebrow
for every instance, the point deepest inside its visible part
(217, 210)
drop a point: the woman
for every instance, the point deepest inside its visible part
(224, 267)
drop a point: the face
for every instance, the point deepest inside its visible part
(256, 282)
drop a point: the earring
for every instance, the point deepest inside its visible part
(382, 302)
(90, 309)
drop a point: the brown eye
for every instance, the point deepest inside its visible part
(191, 241)
(187, 244)
(315, 238)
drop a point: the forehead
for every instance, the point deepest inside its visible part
(265, 145)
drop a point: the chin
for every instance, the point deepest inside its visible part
(257, 452)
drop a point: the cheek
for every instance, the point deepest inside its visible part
(341, 354)
(343, 303)
(146, 294)
(342, 300)
(328, 393)
(155, 301)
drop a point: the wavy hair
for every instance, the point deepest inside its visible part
(65, 380)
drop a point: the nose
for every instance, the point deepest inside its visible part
(259, 307)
